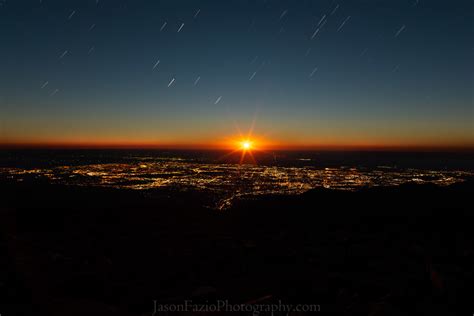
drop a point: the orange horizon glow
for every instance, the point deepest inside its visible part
(229, 136)
(237, 144)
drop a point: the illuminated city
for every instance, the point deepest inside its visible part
(231, 181)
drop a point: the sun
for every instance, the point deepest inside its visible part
(246, 145)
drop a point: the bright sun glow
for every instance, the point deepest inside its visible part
(246, 145)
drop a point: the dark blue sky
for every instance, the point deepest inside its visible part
(376, 73)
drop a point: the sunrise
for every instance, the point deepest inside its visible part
(263, 157)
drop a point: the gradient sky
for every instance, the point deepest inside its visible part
(377, 73)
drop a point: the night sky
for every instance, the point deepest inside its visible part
(191, 73)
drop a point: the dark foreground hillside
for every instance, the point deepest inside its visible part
(405, 250)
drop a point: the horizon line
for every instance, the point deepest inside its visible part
(155, 146)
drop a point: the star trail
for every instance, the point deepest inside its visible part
(185, 73)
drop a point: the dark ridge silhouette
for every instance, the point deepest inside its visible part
(98, 251)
